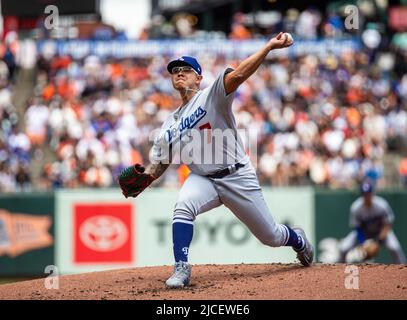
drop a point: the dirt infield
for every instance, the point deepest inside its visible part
(262, 281)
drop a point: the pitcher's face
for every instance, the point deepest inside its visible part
(185, 78)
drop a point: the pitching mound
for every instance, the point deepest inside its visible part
(262, 281)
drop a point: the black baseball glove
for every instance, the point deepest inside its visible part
(133, 180)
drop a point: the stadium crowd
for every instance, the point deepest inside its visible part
(318, 120)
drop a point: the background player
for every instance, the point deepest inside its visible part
(232, 182)
(371, 217)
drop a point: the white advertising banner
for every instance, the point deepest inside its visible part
(99, 230)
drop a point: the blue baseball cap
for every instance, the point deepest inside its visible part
(185, 61)
(366, 188)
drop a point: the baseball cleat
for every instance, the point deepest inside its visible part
(180, 277)
(306, 255)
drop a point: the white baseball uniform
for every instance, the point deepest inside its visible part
(211, 108)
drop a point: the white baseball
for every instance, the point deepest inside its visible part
(290, 39)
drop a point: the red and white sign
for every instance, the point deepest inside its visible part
(103, 233)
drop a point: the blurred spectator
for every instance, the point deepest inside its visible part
(7, 183)
(23, 181)
(36, 119)
(403, 171)
(239, 31)
(307, 24)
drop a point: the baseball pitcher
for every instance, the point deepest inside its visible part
(371, 219)
(230, 180)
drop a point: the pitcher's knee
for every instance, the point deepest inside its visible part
(184, 213)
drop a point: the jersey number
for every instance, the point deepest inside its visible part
(209, 132)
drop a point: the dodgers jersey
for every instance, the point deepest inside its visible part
(371, 220)
(185, 131)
